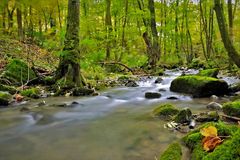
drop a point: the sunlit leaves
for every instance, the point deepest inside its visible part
(211, 139)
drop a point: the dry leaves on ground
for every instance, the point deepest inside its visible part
(211, 139)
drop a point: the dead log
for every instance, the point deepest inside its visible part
(231, 117)
(118, 63)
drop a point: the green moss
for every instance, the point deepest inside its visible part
(199, 86)
(165, 111)
(193, 140)
(173, 152)
(5, 98)
(209, 72)
(184, 116)
(49, 80)
(232, 108)
(18, 72)
(197, 63)
(6, 88)
(230, 149)
(32, 93)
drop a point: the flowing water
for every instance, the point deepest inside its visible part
(117, 125)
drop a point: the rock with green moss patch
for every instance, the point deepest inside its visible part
(17, 72)
(82, 92)
(208, 117)
(194, 142)
(165, 111)
(6, 88)
(173, 152)
(235, 87)
(31, 93)
(5, 98)
(199, 86)
(232, 108)
(209, 72)
(184, 116)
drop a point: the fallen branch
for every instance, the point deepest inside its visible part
(231, 117)
(118, 63)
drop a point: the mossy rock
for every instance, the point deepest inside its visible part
(17, 72)
(5, 98)
(232, 108)
(211, 116)
(6, 88)
(173, 152)
(82, 92)
(209, 72)
(165, 111)
(199, 86)
(193, 140)
(184, 116)
(31, 93)
(49, 80)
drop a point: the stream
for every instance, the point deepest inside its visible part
(116, 125)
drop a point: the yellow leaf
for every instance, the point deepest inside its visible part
(210, 131)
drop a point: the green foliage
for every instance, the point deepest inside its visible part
(165, 111)
(173, 152)
(6, 88)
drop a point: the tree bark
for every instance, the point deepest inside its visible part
(20, 26)
(108, 24)
(232, 52)
(69, 66)
(155, 44)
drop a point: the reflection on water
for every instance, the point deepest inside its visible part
(114, 126)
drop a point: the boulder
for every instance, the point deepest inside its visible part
(131, 83)
(5, 98)
(235, 87)
(172, 97)
(199, 86)
(173, 152)
(208, 117)
(214, 106)
(165, 111)
(209, 72)
(158, 80)
(232, 108)
(17, 72)
(152, 95)
(82, 92)
(184, 116)
(162, 90)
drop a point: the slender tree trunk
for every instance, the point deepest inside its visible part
(20, 26)
(124, 42)
(4, 19)
(69, 66)
(232, 52)
(59, 15)
(230, 19)
(155, 44)
(10, 18)
(176, 28)
(108, 24)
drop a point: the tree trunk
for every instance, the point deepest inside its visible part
(20, 26)
(232, 52)
(155, 44)
(108, 24)
(69, 66)
(230, 19)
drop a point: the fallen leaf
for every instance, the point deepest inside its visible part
(19, 98)
(210, 143)
(210, 131)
